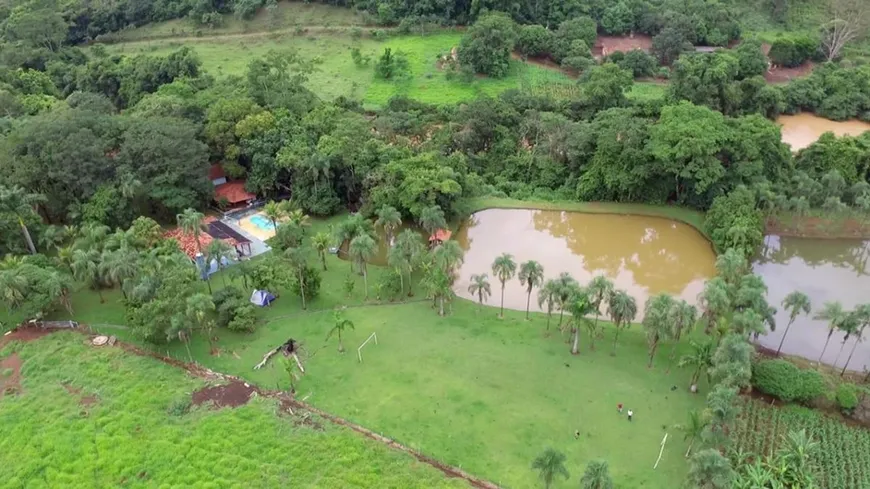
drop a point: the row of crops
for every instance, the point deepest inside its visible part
(843, 458)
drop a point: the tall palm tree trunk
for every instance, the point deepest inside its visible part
(688, 450)
(843, 345)
(615, 340)
(825, 347)
(501, 313)
(549, 315)
(783, 338)
(854, 346)
(441, 304)
(366, 283)
(323, 260)
(27, 237)
(575, 348)
(302, 289)
(652, 353)
(528, 303)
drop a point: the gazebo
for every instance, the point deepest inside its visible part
(439, 236)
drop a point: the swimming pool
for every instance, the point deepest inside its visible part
(262, 222)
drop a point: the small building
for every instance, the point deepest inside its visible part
(439, 236)
(231, 193)
(707, 49)
(215, 229)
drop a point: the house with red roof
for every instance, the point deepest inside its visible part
(233, 193)
(214, 230)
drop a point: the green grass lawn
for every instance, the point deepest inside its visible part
(131, 438)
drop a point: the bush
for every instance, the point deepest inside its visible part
(618, 19)
(793, 50)
(638, 62)
(734, 222)
(847, 397)
(392, 65)
(234, 310)
(487, 45)
(785, 381)
(534, 40)
(311, 281)
(577, 29)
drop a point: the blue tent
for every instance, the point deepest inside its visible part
(262, 298)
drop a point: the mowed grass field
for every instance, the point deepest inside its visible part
(469, 389)
(337, 75)
(130, 431)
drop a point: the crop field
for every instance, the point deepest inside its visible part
(843, 454)
(85, 416)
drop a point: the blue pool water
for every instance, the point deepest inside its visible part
(262, 222)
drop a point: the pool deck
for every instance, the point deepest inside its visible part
(253, 229)
(258, 244)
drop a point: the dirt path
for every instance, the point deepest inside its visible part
(236, 392)
(300, 31)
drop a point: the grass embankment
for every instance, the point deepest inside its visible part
(102, 417)
(469, 389)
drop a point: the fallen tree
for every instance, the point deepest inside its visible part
(289, 348)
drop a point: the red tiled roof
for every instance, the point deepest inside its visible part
(186, 242)
(440, 235)
(216, 171)
(234, 192)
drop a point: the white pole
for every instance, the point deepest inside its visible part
(664, 440)
(359, 350)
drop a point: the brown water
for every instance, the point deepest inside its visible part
(801, 130)
(642, 255)
(825, 270)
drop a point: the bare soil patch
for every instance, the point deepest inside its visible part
(234, 394)
(27, 333)
(781, 74)
(86, 400)
(10, 383)
(605, 45)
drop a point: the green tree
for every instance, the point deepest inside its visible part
(605, 86)
(191, 222)
(862, 317)
(487, 45)
(119, 266)
(549, 295)
(596, 476)
(709, 469)
(86, 268)
(700, 359)
(431, 219)
(531, 275)
(290, 369)
(693, 428)
(567, 286)
(834, 314)
(298, 260)
(410, 247)
(580, 305)
(682, 317)
(297, 218)
(362, 248)
(480, 287)
(623, 310)
(219, 251)
(550, 465)
(199, 310)
(504, 268)
(16, 204)
(600, 289)
(340, 324)
(321, 242)
(796, 303)
(656, 322)
(274, 212)
(389, 219)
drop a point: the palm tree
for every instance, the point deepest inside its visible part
(531, 275)
(798, 451)
(191, 222)
(796, 303)
(52, 237)
(833, 313)
(567, 286)
(600, 289)
(504, 268)
(693, 428)
(92, 236)
(432, 219)
(340, 324)
(409, 245)
(709, 469)
(596, 476)
(290, 369)
(656, 322)
(220, 251)
(682, 317)
(862, 316)
(298, 218)
(320, 242)
(298, 260)
(86, 268)
(397, 259)
(623, 310)
(64, 257)
(731, 266)
(579, 305)
(480, 286)
(57, 285)
(389, 219)
(549, 295)
(714, 302)
(274, 212)
(438, 284)
(701, 358)
(13, 288)
(550, 464)
(848, 326)
(362, 249)
(198, 309)
(16, 201)
(119, 266)
(448, 255)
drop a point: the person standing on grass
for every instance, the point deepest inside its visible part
(619, 408)
(630, 414)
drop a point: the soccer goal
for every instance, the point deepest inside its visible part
(364, 343)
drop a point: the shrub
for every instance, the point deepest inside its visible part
(847, 397)
(785, 381)
(577, 29)
(534, 40)
(311, 281)
(486, 47)
(392, 65)
(234, 310)
(734, 222)
(618, 19)
(793, 51)
(178, 407)
(638, 62)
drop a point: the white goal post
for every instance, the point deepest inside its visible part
(359, 350)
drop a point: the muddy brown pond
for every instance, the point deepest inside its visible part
(642, 255)
(802, 130)
(825, 270)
